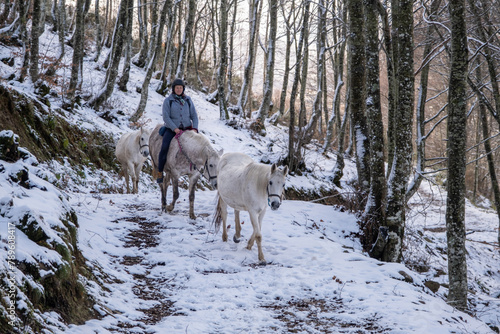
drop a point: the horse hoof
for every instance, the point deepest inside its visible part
(263, 263)
(236, 240)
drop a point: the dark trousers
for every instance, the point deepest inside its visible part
(167, 138)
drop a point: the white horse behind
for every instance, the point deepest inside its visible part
(132, 150)
(246, 185)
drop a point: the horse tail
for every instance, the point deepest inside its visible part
(217, 215)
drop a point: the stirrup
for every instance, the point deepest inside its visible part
(159, 180)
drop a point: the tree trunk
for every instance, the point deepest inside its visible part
(243, 98)
(374, 214)
(188, 33)
(232, 30)
(358, 92)
(122, 83)
(116, 53)
(154, 30)
(77, 49)
(338, 170)
(489, 156)
(149, 72)
(391, 95)
(169, 51)
(142, 16)
(271, 54)
(294, 158)
(221, 72)
(286, 74)
(35, 35)
(98, 38)
(401, 164)
(317, 109)
(457, 121)
(338, 66)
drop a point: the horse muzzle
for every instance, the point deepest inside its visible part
(275, 205)
(213, 183)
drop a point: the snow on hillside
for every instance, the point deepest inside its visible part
(165, 273)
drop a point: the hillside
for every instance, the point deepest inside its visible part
(136, 270)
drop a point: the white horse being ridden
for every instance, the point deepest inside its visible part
(246, 185)
(191, 154)
(132, 151)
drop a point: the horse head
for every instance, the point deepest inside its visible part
(144, 142)
(210, 167)
(276, 186)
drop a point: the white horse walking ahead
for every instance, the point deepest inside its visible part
(132, 151)
(246, 185)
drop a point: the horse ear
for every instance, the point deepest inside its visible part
(221, 152)
(285, 171)
(273, 168)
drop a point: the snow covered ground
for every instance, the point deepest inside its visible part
(165, 273)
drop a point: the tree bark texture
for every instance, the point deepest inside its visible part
(357, 63)
(77, 49)
(403, 118)
(271, 55)
(374, 215)
(221, 72)
(457, 121)
(35, 35)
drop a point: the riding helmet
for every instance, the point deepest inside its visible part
(178, 82)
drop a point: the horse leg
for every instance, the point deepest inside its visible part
(175, 192)
(256, 236)
(223, 213)
(192, 188)
(135, 179)
(125, 174)
(237, 234)
(164, 188)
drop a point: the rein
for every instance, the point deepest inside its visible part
(192, 165)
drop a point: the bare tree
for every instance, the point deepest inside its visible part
(357, 89)
(339, 39)
(115, 56)
(149, 72)
(35, 35)
(294, 157)
(142, 17)
(244, 92)
(221, 71)
(374, 215)
(402, 56)
(98, 37)
(122, 83)
(271, 55)
(77, 49)
(289, 41)
(457, 139)
(186, 40)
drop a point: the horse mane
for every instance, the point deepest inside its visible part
(200, 141)
(259, 172)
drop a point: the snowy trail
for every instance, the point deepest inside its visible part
(166, 273)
